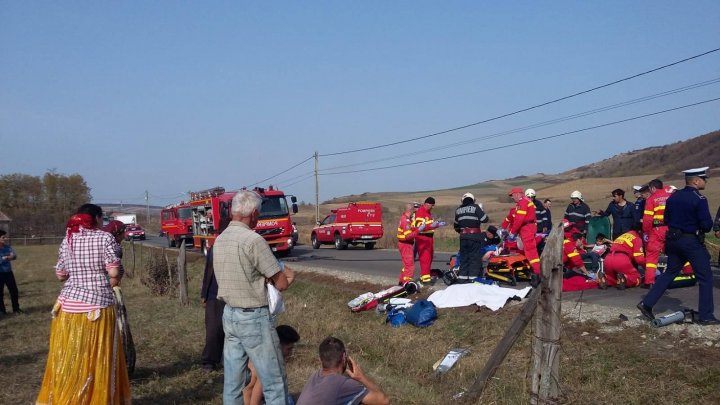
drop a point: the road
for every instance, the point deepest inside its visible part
(384, 265)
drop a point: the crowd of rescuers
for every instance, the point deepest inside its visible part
(662, 219)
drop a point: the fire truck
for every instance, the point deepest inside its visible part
(211, 214)
(176, 223)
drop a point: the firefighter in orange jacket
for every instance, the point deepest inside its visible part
(406, 239)
(425, 226)
(620, 265)
(522, 223)
(654, 228)
(572, 254)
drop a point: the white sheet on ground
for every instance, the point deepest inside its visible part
(461, 295)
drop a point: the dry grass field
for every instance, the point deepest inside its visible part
(631, 366)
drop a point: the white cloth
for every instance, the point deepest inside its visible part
(461, 295)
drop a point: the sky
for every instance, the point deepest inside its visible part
(169, 97)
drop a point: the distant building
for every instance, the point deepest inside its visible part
(5, 222)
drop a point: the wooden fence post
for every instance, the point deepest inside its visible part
(182, 274)
(545, 375)
(502, 349)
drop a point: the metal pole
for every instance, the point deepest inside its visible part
(317, 190)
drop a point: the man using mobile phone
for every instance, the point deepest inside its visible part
(331, 385)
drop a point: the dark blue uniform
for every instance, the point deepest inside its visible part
(623, 217)
(687, 216)
(468, 218)
(639, 209)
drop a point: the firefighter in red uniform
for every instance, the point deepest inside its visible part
(425, 226)
(523, 223)
(654, 228)
(620, 265)
(406, 239)
(572, 254)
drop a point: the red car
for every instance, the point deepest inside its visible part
(134, 232)
(358, 223)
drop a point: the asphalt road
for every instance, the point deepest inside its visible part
(385, 264)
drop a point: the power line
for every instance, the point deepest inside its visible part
(525, 109)
(299, 181)
(526, 142)
(536, 125)
(284, 171)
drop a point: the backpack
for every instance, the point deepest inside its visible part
(422, 314)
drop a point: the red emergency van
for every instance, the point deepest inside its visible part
(358, 223)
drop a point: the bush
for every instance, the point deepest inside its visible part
(160, 273)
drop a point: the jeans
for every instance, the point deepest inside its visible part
(250, 333)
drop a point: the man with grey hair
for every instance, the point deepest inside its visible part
(243, 263)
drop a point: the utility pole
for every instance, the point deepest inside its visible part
(147, 205)
(317, 190)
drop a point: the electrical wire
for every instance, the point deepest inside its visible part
(278, 174)
(526, 142)
(536, 125)
(299, 181)
(524, 109)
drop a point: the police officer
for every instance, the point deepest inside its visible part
(687, 216)
(468, 217)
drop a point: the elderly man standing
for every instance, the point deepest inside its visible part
(243, 262)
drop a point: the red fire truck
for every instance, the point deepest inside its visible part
(359, 222)
(211, 215)
(176, 223)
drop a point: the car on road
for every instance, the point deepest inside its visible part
(358, 223)
(135, 232)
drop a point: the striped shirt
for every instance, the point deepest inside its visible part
(87, 286)
(243, 260)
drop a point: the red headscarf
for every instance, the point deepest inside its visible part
(76, 222)
(114, 227)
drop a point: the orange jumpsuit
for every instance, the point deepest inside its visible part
(523, 222)
(424, 241)
(653, 225)
(405, 238)
(626, 253)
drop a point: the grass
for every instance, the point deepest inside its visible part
(634, 366)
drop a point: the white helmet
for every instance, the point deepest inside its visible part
(466, 195)
(576, 194)
(530, 193)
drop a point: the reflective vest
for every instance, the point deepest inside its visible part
(630, 244)
(404, 231)
(422, 216)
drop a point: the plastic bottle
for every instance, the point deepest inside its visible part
(668, 319)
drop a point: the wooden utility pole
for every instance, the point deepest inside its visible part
(545, 373)
(182, 274)
(317, 190)
(147, 205)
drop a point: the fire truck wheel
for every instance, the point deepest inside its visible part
(315, 242)
(170, 241)
(339, 243)
(369, 245)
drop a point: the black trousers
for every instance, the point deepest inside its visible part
(214, 335)
(470, 258)
(9, 280)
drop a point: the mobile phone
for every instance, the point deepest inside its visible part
(348, 364)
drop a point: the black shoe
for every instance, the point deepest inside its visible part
(646, 311)
(621, 282)
(18, 311)
(708, 322)
(602, 281)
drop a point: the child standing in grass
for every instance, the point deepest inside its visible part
(6, 275)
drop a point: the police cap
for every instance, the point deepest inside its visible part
(698, 172)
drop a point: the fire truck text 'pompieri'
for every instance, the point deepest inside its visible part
(211, 214)
(176, 223)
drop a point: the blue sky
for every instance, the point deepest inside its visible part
(176, 96)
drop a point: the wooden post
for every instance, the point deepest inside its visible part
(132, 249)
(502, 349)
(182, 274)
(545, 375)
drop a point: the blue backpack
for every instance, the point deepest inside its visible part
(422, 314)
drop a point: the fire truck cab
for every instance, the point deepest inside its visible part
(176, 223)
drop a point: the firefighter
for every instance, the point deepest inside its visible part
(468, 218)
(522, 222)
(572, 255)
(620, 265)
(406, 239)
(687, 216)
(577, 212)
(543, 220)
(654, 228)
(425, 226)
